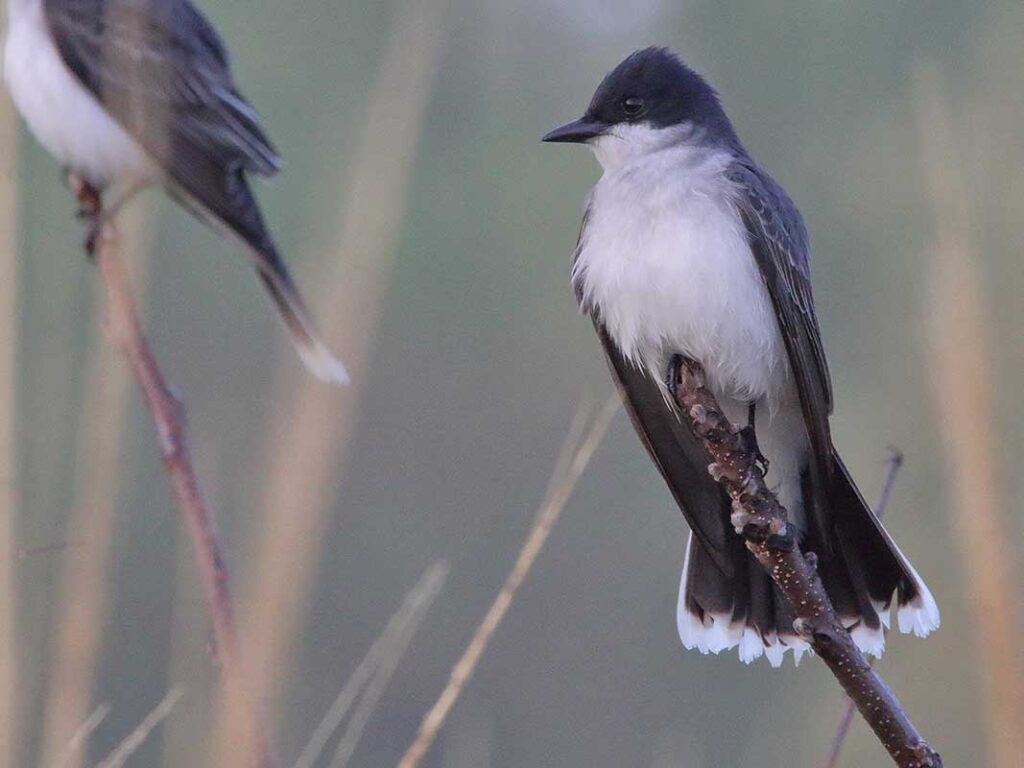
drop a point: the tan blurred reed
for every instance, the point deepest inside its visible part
(579, 447)
(307, 439)
(10, 688)
(961, 378)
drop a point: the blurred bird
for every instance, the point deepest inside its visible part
(688, 247)
(126, 93)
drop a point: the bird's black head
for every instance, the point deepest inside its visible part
(652, 88)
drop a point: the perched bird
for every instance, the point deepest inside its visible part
(689, 248)
(126, 93)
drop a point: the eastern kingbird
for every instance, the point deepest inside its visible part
(688, 247)
(125, 93)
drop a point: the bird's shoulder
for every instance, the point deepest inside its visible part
(780, 245)
(771, 213)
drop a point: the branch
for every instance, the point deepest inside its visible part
(761, 520)
(168, 412)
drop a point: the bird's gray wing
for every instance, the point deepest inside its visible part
(675, 450)
(778, 240)
(162, 71)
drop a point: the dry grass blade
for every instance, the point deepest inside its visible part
(138, 737)
(9, 686)
(309, 433)
(961, 380)
(391, 656)
(387, 650)
(572, 461)
(76, 743)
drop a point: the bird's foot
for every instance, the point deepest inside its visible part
(675, 365)
(90, 210)
(748, 441)
(674, 374)
(93, 231)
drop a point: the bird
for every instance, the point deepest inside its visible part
(125, 94)
(689, 248)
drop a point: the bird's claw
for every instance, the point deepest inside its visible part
(675, 365)
(748, 441)
(93, 229)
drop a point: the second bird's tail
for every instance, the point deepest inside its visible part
(303, 331)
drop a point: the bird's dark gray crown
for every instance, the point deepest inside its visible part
(653, 86)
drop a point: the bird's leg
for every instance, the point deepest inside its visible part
(90, 209)
(748, 437)
(675, 365)
(125, 193)
(106, 211)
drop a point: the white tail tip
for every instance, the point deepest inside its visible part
(322, 364)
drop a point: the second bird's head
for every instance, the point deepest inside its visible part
(649, 101)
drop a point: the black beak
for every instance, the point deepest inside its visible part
(577, 132)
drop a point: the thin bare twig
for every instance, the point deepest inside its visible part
(77, 638)
(762, 521)
(168, 412)
(894, 464)
(572, 461)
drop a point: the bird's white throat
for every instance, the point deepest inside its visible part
(628, 143)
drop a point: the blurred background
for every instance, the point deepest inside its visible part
(432, 232)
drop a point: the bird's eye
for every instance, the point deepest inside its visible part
(633, 106)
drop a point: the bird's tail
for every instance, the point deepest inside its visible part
(225, 202)
(861, 574)
(303, 331)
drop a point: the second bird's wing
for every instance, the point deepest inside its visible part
(162, 72)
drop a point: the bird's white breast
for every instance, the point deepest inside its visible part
(65, 117)
(665, 259)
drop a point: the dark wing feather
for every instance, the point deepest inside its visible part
(682, 459)
(163, 73)
(676, 452)
(778, 241)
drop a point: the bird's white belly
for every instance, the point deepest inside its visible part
(65, 117)
(670, 270)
